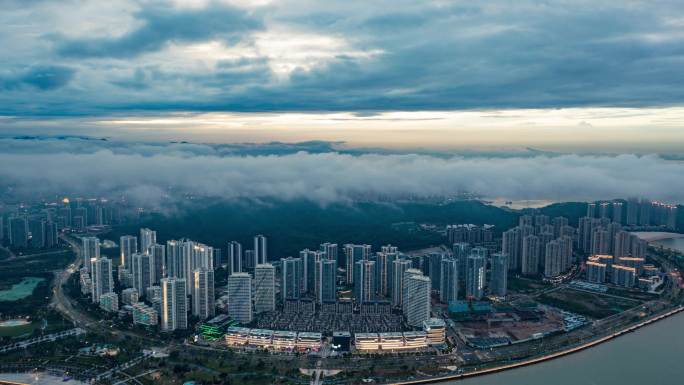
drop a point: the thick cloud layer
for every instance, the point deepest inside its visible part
(161, 25)
(147, 173)
(43, 78)
(233, 55)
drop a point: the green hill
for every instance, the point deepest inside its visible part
(292, 226)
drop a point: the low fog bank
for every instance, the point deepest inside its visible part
(147, 173)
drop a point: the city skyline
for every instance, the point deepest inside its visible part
(454, 293)
(343, 192)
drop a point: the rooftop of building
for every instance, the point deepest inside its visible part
(284, 334)
(310, 335)
(594, 263)
(261, 333)
(627, 268)
(434, 323)
(636, 259)
(366, 336)
(600, 257)
(417, 334)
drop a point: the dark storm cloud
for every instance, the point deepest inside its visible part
(161, 25)
(43, 78)
(142, 78)
(531, 56)
(397, 55)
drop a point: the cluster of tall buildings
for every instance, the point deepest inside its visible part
(177, 278)
(472, 234)
(539, 245)
(601, 236)
(96, 275)
(239, 261)
(251, 285)
(81, 213)
(313, 275)
(173, 279)
(386, 276)
(29, 232)
(636, 212)
(620, 271)
(37, 227)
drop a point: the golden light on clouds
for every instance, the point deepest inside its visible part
(588, 129)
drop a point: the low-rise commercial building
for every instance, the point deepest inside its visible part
(341, 341)
(651, 284)
(415, 340)
(129, 296)
(309, 340)
(237, 336)
(216, 327)
(390, 342)
(284, 340)
(109, 302)
(435, 329)
(144, 315)
(367, 341)
(262, 338)
(269, 339)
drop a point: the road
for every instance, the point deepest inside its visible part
(119, 369)
(545, 357)
(60, 301)
(317, 375)
(9, 252)
(28, 256)
(135, 379)
(37, 340)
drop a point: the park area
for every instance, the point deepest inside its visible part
(20, 290)
(25, 281)
(17, 327)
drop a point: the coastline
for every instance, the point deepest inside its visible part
(653, 236)
(546, 357)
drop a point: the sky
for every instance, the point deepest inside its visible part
(567, 80)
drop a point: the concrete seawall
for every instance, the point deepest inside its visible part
(546, 357)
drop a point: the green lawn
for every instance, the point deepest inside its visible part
(25, 282)
(20, 330)
(20, 290)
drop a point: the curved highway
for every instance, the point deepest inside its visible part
(60, 301)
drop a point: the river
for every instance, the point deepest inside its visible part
(651, 355)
